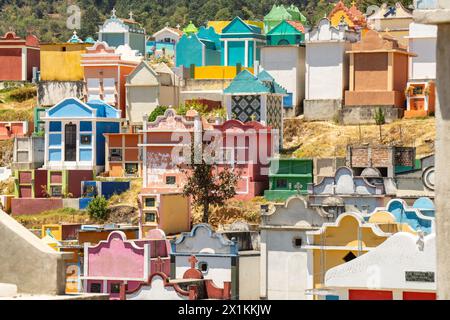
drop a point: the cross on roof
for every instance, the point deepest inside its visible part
(193, 261)
(131, 16)
(113, 15)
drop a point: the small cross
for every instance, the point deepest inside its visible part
(193, 261)
(178, 26)
(131, 16)
(113, 13)
(167, 24)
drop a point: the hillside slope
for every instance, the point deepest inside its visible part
(326, 139)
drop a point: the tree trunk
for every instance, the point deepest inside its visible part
(206, 212)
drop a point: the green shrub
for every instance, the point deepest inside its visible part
(379, 117)
(98, 209)
(197, 106)
(159, 111)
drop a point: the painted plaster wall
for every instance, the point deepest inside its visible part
(59, 65)
(371, 72)
(400, 72)
(219, 268)
(249, 277)
(287, 65)
(326, 68)
(11, 62)
(140, 101)
(52, 92)
(28, 262)
(424, 65)
(27, 206)
(33, 60)
(287, 266)
(169, 95)
(397, 255)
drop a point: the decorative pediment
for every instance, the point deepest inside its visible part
(71, 108)
(170, 121)
(203, 239)
(372, 40)
(143, 75)
(294, 212)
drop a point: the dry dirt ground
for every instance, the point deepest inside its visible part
(326, 139)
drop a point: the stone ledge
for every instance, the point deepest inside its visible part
(436, 16)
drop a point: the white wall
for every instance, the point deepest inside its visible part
(249, 277)
(287, 269)
(140, 101)
(219, 268)
(424, 65)
(287, 65)
(325, 67)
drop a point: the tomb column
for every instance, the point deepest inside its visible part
(352, 72)
(390, 84)
(441, 17)
(246, 54)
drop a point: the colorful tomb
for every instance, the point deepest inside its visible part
(13, 129)
(143, 90)
(421, 89)
(74, 134)
(286, 64)
(378, 73)
(326, 74)
(118, 260)
(105, 73)
(247, 148)
(346, 192)
(201, 48)
(288, 32)
(288, 177)
(393, 20)
(123, 155)
(62, 61)
(19, 58)
(337, 243)
(284, 261)
(241, 43)
(219, 259)
(401, 268)
(352, 16)
(256, 98)
(281, 13)
(117, 32)
(161, 196)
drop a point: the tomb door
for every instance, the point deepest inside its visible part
(70, 138)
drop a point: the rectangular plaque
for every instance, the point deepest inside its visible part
(419, 276)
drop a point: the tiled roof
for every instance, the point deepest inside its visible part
(245, 82)
(297, 25)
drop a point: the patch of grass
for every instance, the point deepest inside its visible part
(21, 94)
(16, 115)
(65, 215)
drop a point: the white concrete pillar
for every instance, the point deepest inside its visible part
(24, 64)
(225, 56)
(246, 54)
(441, 17)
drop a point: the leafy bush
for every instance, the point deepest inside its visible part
(199, 107)
(98, 209)
(159, 111)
